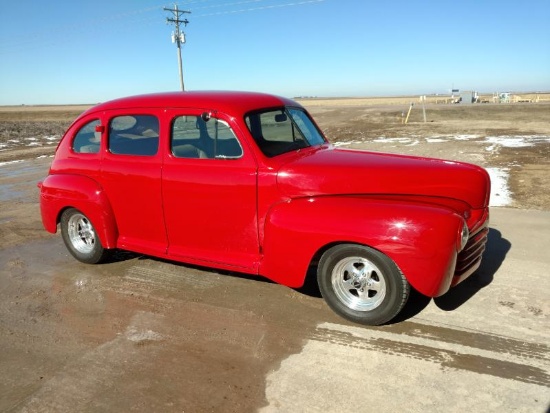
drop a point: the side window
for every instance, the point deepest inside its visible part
(134, 135)
(87, 139)
(278, 127)
(283, 130)
(193, 137)
(275, 132)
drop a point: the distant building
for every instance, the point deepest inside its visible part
(504, 97)
(468, 97)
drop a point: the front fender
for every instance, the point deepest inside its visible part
(61, 191)
(421, 239)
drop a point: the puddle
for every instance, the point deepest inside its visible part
(12, 169)
(7, 193)
(17, 177)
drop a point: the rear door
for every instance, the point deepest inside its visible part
(210, 192)
(131, 177)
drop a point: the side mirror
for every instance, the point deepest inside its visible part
(281, 118)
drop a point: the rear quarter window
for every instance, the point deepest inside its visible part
(87, 140)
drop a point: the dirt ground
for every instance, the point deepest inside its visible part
(141, 334)
(33, 131)
(455, 132)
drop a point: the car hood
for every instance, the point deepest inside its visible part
(334, 171)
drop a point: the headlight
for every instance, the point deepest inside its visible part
(464, 235)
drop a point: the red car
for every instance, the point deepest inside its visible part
(247, 182)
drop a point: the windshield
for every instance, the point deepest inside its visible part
(278, 131)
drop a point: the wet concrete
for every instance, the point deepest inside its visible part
(141, 334)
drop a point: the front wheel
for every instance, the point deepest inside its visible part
(361, 284)
(81, 238)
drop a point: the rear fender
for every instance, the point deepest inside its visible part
(421, 239)
(59, 192)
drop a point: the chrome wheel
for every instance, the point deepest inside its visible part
(80, 237)
(358, 283)
(362, 284)
(81, 233)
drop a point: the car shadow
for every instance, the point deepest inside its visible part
(496, 250)
(211, 270)
(493, 257)
(414, 306)
(310, 287)
(121, 256)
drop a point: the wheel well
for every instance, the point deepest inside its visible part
(311, 274)
(310, 281)
(106, 237)
(60, 213)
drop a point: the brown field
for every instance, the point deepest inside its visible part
(367, 123)
(407, 100)
(380, 128)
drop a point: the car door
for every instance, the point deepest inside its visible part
(131, 177)
(209, 192)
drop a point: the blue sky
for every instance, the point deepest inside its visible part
(56, 52)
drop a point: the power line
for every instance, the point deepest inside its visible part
(41, 38)
(267, 7)
(127, 21)
(178, 36)
(219, 5)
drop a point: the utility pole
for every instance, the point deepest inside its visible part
(178, 36)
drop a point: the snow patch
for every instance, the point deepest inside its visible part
(336, 144)
(141, 336)
(517, 141)
(383, 139)
(465, 137)
(500, 193)
(508, 141)
(10, 162)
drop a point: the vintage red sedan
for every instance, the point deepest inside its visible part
(247, 182)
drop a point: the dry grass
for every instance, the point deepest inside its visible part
(342, 119)
(351, 122)
(27, 132)
(66, 113)
(407, 100)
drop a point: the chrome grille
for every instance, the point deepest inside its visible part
(469, 258)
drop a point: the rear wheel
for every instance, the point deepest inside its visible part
(81, 238)
(361, 284)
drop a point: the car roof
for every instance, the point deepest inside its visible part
(224, 101)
